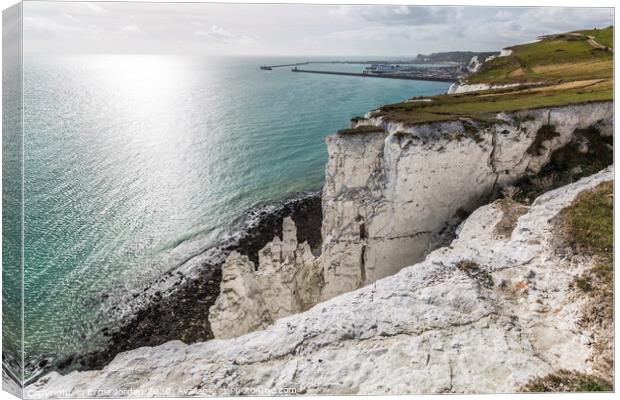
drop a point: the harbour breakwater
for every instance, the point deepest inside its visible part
(408, 76)
(408, 70)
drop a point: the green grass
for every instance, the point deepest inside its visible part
(552, 59)
(562, 69)
(558, 50)
(602, 36)
(484, 107)
(589, 220)
(565, 69)
(567, 381)
(497, 70)
(589, 225)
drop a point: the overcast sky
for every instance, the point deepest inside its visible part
(254, 29)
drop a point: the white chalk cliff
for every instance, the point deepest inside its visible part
(474, 66)
(288, 281)
(389, 197)
(433, 327)
(459, 88)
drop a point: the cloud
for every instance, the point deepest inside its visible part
(94, 7)
(45, 26)
(259, 29)
(432, 29)
(371, 33)
(396, 15)
(484, 19)
(221, 35)
(492, 27)
(216, 33)
(130, 29)
(553, 19)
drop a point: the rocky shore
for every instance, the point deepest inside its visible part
(182, 313)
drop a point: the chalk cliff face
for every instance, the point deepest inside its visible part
(457, 88)
(287, 281)
(485, 314)
(389, 196)
(392, 195)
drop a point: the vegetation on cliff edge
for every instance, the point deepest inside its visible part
(360, 130)
(567, 381)
(557, 70)
(553, 59)
(589, 221)
(588, 224)
(589, 228)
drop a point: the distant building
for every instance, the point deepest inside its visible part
(381, 68)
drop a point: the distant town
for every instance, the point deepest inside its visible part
(444, 67)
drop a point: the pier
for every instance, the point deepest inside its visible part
(386, 75)
(270, 67)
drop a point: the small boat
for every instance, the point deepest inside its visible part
(265, 67)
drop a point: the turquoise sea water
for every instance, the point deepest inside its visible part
(132, 162)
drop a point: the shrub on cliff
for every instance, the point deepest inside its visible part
(360, 130)
(567, 381)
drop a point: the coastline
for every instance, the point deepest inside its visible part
(503, 183)
(313, 336)
(181, 311)
(175, 304)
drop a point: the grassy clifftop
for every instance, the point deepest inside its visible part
(553, 58)
(603, 36)
(562, 69)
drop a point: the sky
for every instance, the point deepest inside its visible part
(293, 29)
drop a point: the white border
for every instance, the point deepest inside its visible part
(557, 3)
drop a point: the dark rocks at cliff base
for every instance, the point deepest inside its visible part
(183, 313)
(307, 213)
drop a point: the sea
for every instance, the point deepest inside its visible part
(133, 163)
